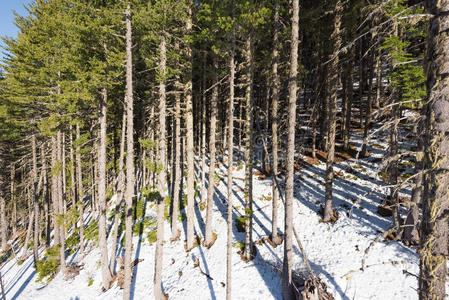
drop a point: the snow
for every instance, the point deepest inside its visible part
(335, 250)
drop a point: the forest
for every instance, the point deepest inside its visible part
(235, 149)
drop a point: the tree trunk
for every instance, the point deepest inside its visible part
(45, 196)
(105, 271)
(230, 141)
(288, 292)
(54, 190)
(210, 188)
(248, 250)
(328, 215)
(120, 191)
(434, 238)
(35, 201)
(162, 185)
(203, 134)
(190, 147)
(13, 200)
(363, 152)
(79, 190)
(411, 229)
(4, 226)
(59, 192)
(393, 166)
(275, 238)
(175, 232)
(129, 192)
(349, 99)
(72, 168)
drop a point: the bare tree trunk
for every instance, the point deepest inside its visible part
(105, 271)
(13, 200)
(203, 134)
(35, 201)
(190, 147)
(59, 192)
(129, 192)
(72, 168)
(434, 238)
(120, 191)
(175, 232)
(275, 238)
(212, 149)
(162, 185)
(230, 141)
(54, 190)
(363, 152)
(350, 97)
(29, 231)
(393, 166)
(411, 229)
(287, 280)
(333, 86)
(45, 196)
(79, 191)
(378, 78)
(248, 250)
(4, 226)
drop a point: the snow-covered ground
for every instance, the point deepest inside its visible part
(335, 250)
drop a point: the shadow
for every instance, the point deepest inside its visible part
(23, 286)
(139, 246)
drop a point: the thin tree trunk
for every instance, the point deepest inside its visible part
(190, 147)
(35, 201)
(333, 85)
(378, 78)
(203, 134)
(287, 280)
(175, 232)
(60, 193)
(162, 185)
(54, 190)
(230, 141)
(28, 235)
(120, 191)
(13, 200)
(79, 190)
(4, 226)
(350, 97)
(105, 271)
(363, 152)
(72, 168)
(434, 238)
(129, 192)
(393, 167)
(45, 196)
(275, 238)
(210, 188)
(248, 250)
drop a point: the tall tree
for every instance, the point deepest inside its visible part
(129, 191)
(288, 291)
(434, 235)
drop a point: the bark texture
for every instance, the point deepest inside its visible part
(434, 234)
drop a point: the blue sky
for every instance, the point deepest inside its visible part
(7, 26)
